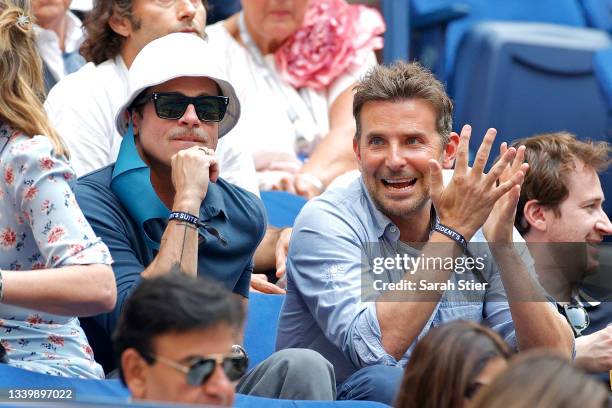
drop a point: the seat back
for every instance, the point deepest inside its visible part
(563, 12)
(261, 325)
(598, 13)
(525, 78)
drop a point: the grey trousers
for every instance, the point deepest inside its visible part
(297, 374)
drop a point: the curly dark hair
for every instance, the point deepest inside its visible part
(102, 41)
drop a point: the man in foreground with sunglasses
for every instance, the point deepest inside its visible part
(183, 349)
(560, 215)
(187, 219)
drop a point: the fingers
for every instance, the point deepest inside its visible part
(437, 183)
(501, 166)
(287, 184)
(482, 156)
(259, 283)
(213, 170)
(282, 248)
(516, 180)
(463, 150)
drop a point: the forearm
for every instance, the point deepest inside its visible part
(333, 156)
(536, 323)
(401, 320)
(80, 290)
(178, 250)
(265, 259)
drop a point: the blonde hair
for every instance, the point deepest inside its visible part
(21, 85)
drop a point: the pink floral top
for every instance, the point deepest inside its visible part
(41, 227)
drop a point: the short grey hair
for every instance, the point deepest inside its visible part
(402, 81)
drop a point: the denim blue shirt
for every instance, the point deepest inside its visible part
(324, 308)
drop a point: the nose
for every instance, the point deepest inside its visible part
(604, 226)
(190, 117)
(186, 10)
(219, 388)
(395, 159)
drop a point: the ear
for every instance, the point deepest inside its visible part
(356, 149)
(134, 369)
(135, 116)
(536, 215)
(120, 25)
(450, 151)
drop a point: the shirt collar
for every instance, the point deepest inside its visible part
(381, 221)
(581, 298)
(73, 40)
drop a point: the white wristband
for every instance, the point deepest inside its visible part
(314, 180)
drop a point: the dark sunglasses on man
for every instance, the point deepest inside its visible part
(577, 317)
(172, 105)
(200, 369)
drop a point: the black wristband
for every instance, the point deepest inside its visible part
(192, 219)
(452, 234)
(185, 217)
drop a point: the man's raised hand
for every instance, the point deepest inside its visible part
(466, 202)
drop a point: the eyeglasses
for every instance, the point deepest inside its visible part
(201, 368)
(577, 317)
(172, 105)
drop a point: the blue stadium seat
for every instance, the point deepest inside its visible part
(443, 23)
(602, 63)
(598, 13)
(221, 9)
(111, 393)
(282, 207)
(525, 78)
(261, 325)
(103, 391)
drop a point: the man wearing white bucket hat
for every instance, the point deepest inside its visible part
(82, 106)
(178, 110)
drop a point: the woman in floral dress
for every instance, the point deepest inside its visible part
(52, 266)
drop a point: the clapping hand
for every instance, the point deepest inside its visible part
(467, 201)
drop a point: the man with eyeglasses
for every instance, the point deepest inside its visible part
(560, 215)
(187, 218)
(184, 348)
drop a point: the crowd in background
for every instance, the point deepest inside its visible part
(135, 146)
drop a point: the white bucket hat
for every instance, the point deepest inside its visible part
(173, 56)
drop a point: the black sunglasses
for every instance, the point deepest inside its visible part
(201, 368)
(172, 105)
(577, 317)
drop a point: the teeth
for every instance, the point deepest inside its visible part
(398, 181)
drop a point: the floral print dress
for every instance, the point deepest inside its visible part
(42, 227)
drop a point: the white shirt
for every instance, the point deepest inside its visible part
(49, 47)
(271, 135)
(82, 108)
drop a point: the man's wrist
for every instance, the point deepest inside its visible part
(313, 180)
(452, 233)
(189, 203)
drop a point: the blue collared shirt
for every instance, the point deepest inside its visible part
(124, 211)
(324, 309)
